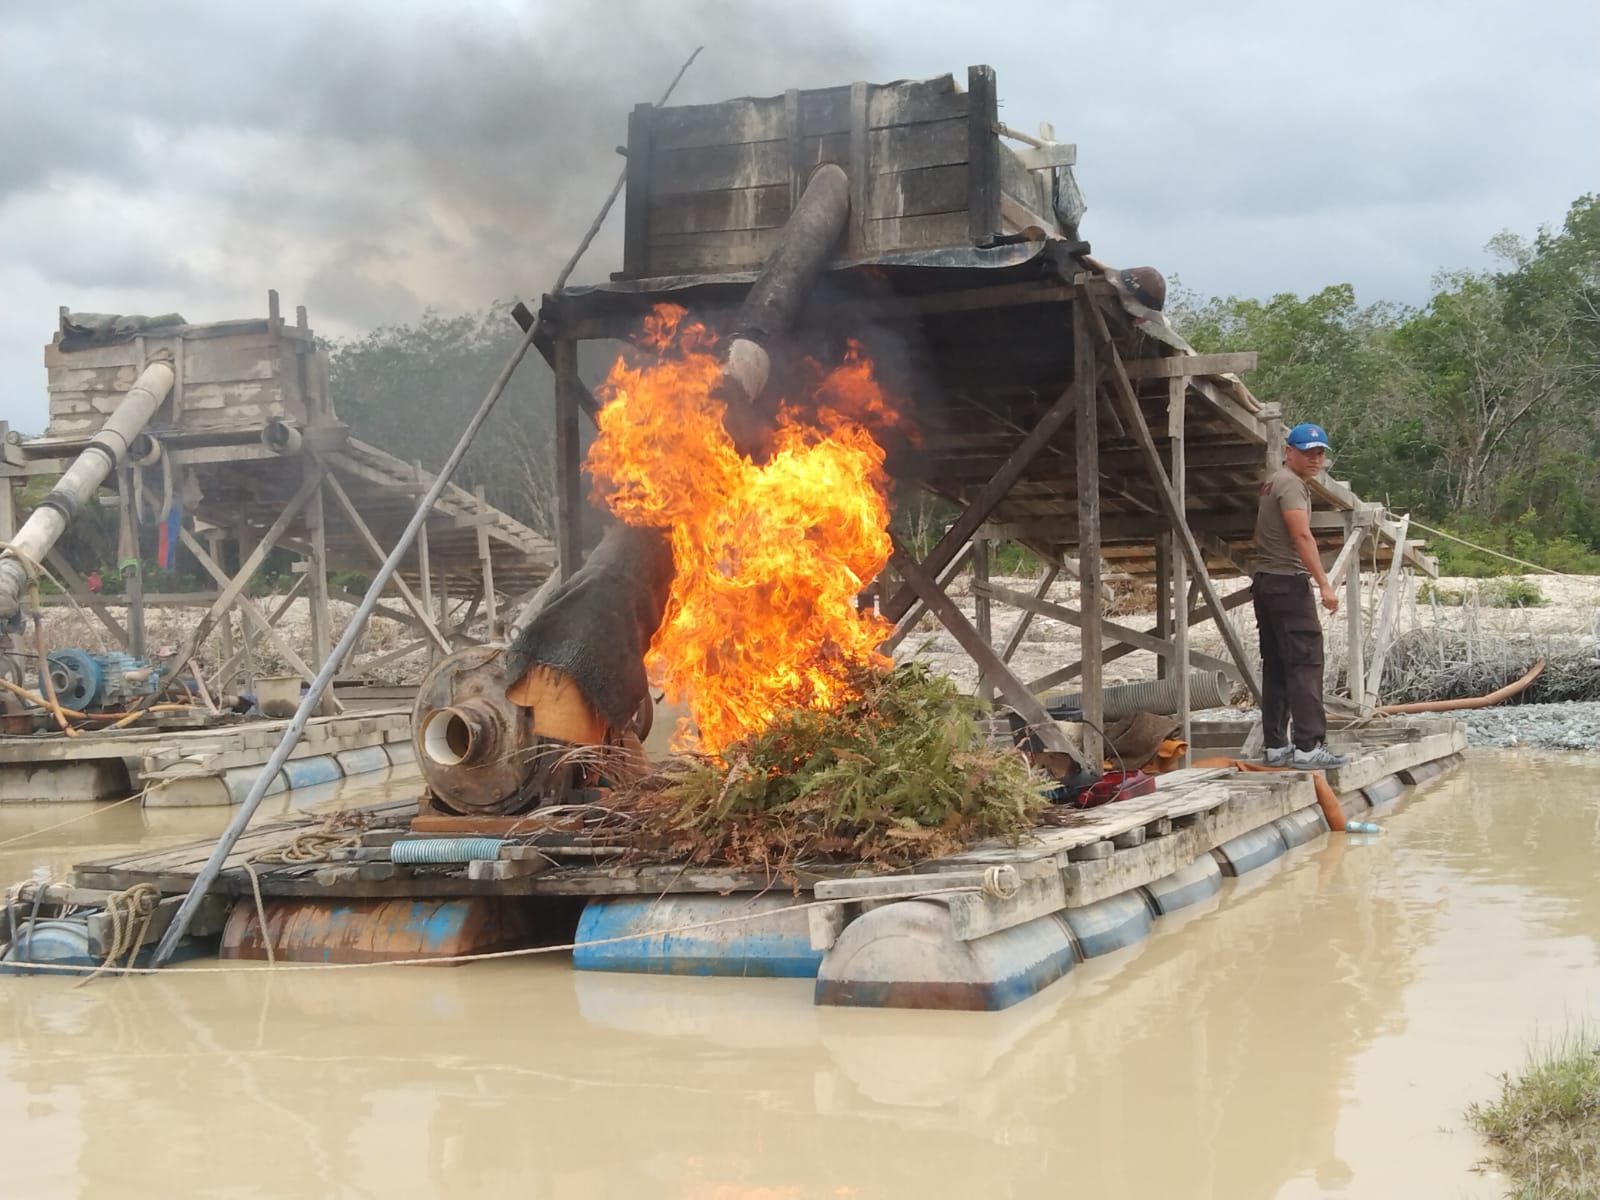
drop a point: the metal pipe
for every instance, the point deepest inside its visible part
(308, 703)
(773, 302)
(77, 487)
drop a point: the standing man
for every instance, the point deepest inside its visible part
(1286, 562)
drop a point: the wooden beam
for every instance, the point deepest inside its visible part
(1125, 396)
(1085, 376)
(425, 574)
(984, 500)
(1134, 639)
(1026, 617)
(1177, 366)
(249, 606)
(856, 237)
(981, 608)
(983, 157)
(1050, 733)
(86, 599)
(1177, 393)
(423, 615)
(907, 623)
(636, 214)
(317, 568)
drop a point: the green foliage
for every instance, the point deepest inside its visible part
(899, 772)
(412, 388)
(1481, 404)
(1525, 539)
(1492, 593)
(1545, 1124)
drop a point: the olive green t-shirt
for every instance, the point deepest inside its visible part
(1275, 552)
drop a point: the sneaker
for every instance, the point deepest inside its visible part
(1277, 756)
(1318, 758)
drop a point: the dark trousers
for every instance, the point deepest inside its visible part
(1291, 660)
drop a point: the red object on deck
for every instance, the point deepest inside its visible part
(1115, 785)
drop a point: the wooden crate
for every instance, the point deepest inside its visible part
(233, 376)
(710, 186)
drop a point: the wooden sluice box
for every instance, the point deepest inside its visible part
(982, 929)
(710, 186)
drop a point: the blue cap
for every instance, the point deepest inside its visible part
(1308, 436)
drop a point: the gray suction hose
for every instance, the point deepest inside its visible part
(1207, 689)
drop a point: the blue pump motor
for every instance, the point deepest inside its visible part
(86, 682)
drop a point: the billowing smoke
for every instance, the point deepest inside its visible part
(368, 159)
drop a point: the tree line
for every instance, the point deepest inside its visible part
(1479, 411)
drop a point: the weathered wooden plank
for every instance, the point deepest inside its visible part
(729, 208)
(694, 253)
(975, 914)
(640, 181)
(919, 192)
(895, 233)
(983, 152)
(1178, 365)
(821, 111)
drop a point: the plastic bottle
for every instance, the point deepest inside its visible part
(1362, 827)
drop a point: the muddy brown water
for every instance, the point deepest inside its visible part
(1314, 1031)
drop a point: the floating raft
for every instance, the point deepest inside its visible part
(981, 929)
(206, 766)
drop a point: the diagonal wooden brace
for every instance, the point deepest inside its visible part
(983, 503)
(1053, 737)
(1171, 507)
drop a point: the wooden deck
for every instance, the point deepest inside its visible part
(1085, 856)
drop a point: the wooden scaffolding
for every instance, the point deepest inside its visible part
(250, 448)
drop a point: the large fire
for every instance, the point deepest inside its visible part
(768, 556)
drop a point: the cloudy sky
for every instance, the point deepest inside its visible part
(371, 157)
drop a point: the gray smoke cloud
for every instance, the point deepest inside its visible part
(367, 159)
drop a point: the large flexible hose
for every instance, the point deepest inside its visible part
(1494, 697)
(1207, 689)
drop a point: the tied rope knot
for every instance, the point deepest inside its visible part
(340, 831)
(130, 912)
(1001, 882)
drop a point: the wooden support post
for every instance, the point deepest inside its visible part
(1177, 392)
(1026, 619)
(214, 543)
(129, 564)
(636, 216)
(316, 568)
(1051, 735)
(491, 613)
(981, 607)
(1355, 650)
(1164, 604)
(860, 176)
(1128, 400)
(984, 500)
(420, 608)
(1085, 378)
(569, 466)
(983, 157)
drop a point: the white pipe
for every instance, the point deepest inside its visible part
(83, 478)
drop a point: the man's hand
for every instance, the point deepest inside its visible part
(1329, 600)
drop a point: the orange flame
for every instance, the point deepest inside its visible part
(768, 557)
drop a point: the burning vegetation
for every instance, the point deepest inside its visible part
(806, 742)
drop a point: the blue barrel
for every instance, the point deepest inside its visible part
(1250, 850)
(359, 762)
(1110, 924)
(308, 772)
(1384, 790)
(61, 942)
(906, 955)
(1302, 825)
(1186, 886)
(694, 935)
